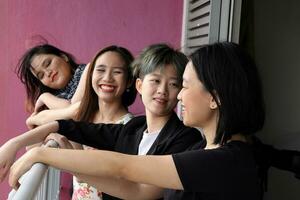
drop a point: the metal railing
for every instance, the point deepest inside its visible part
(39, 183)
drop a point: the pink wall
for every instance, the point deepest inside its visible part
(81, 28)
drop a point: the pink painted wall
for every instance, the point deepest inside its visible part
(81, 28)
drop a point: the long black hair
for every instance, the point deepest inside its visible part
(232, 78)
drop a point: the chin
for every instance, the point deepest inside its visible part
(187, 122)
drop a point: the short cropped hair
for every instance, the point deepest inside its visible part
(156, 56)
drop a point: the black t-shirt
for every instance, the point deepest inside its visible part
(225, 173)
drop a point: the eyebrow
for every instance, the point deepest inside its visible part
(159, 75)
(98, 66)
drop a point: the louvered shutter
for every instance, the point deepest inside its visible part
(208, 21)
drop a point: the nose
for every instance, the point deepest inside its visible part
(179, 95)
(107, 76)
(48, 72)
(163, 89)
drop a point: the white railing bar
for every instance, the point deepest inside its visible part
(31, 181)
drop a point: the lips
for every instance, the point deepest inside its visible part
(107, 88)
(160, 100)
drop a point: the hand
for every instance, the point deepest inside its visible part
(21, 166)
(30, 121)
(62, 141)
(7, 156)
(38, 119)
(40, 104)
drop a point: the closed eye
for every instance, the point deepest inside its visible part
(100, 70)
(40, 75)
(118, 72)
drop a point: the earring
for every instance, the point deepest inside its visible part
(127, 90)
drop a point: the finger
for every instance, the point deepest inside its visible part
(57, 138)
(13, 179)
(17, 185)
(51, 136)
(3, 173)
(2, 176)
(65, 143)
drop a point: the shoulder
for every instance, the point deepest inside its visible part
(79, 69)
(231, 154)
(136, 122)
(126, 118)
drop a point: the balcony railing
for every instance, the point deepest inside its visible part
(39, 183)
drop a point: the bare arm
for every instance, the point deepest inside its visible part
(122, 188)
(155, 170)
(47, 116)
(81, 86)
(9, 149)
(51, 101)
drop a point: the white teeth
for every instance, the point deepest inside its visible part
(107, 87)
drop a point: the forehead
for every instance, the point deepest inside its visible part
(37, 60)
(189, 74)
(165, 71)
(110, 58)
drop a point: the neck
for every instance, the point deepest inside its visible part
(238, 137)
(109, 112)
(155, 123)
(209, 137)
(209, 130)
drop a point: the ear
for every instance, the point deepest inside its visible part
(65, 57)
(138, 85)
(212, 103)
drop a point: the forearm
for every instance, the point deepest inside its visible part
(154, 170)
(100, 136)
(53, 102)
(122, 188)
(76, 161)
(47, 116)
(34, 136)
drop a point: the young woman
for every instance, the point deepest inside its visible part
(159, 69)
(109, 91)
(52, 80)
(50, 76)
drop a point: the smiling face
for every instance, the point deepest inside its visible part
(53, 71)
(198, 105)
(159, 90)
(109, 79)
